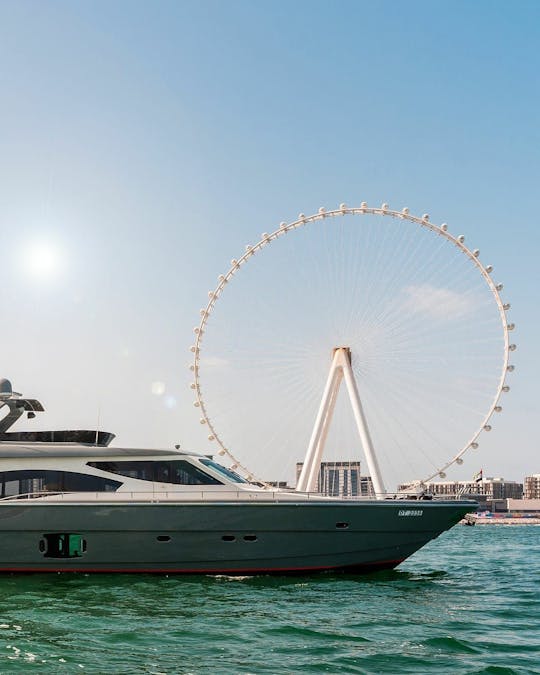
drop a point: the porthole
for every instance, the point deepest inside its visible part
(250, 537)
(342, 526)
(228, 537)
(163, 538)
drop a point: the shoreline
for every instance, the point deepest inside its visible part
(499, 519)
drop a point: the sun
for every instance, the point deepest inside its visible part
(42, 260)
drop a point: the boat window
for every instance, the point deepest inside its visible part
(138, 470)
(231, 475)
(30, 481)
(184, 473)
(177, 472)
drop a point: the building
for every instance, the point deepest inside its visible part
(486, 489)
(532, 486)
(525, 506)
(341, 479)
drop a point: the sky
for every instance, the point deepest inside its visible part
(142, 145)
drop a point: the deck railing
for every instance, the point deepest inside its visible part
(157, 496)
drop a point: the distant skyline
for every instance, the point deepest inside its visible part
(142, 145)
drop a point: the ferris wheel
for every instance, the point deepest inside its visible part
(359, 334)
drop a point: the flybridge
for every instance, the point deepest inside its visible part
(18, 405)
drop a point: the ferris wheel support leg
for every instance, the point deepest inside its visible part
(365, 438)
(315, 465)
(307, 481)
(326, 424)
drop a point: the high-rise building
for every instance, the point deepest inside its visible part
(341, 479)
(532, 486)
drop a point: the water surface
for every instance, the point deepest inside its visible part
(469, 602)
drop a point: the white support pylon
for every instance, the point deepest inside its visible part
(340, 369)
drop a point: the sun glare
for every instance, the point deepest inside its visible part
(42, 260)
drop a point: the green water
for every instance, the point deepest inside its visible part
(467, 603)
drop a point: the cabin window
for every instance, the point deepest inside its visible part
(178, 472)
(35, 481)
(231, 475)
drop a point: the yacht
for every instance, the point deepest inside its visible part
(70, 502)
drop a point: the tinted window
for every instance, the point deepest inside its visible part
(184, 473)
(226, 472)
(36, 480)
(139, 470)
(177, 472)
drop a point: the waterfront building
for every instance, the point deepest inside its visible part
(485, 489)
(528, 506)
(532, 486)
(341, 479)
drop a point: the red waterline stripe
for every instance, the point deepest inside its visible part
(143, 570)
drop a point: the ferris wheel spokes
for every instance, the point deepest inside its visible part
(414, 343)
(340, 370)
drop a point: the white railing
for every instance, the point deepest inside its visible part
(199, 496)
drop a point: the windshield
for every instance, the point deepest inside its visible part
(231, 475)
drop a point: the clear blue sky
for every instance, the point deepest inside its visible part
(150, 141)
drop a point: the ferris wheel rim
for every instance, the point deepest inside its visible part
(303, 220)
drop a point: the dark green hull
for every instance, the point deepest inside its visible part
(219, 537)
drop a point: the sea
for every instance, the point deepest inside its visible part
(469, 602)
